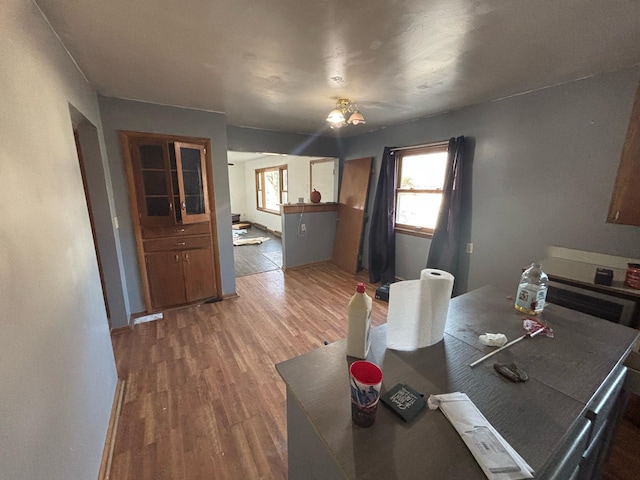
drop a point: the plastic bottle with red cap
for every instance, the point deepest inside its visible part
(358, 339)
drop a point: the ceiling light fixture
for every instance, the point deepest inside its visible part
(345, 113)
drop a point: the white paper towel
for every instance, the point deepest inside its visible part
(418, 310)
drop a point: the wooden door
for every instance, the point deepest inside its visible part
(192, 183)
(625, 201)
(166, 279)
(152, 182)
(199, 282)
(354, 192)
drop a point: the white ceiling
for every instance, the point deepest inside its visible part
(282, 64)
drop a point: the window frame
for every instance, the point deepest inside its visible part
(283, 171)
(435, 147)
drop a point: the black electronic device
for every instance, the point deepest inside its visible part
(604, 276)
(382, 292)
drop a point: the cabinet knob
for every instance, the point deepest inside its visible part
(178, 230)
(177, 258)
(183, 206)
(180, 244)
(186, 257)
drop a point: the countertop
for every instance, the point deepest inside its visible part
(535, 417)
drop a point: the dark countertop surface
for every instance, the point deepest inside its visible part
(534, 417)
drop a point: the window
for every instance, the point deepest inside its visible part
(420, 178)
(271, 188)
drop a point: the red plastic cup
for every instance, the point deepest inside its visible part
(366, 380)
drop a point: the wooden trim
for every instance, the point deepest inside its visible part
(215, 249)
(309, 208)
(125, 144)
(195, 217)
(425, 146)
(260, 226)
(112, 430)
(425, 232)
(260, 181)
(126, 328)
(272, 232)
(306, 265)
(230, 295)
(163, 137)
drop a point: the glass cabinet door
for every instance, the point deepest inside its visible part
(190, 173)
(154, 195)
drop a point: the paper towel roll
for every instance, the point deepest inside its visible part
(418, 310)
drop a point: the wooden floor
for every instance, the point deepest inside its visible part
(252, 259)
(203, 399)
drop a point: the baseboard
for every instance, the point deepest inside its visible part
(306, 265)
(264, 228)
(229, 295)
(107, 453)
(260, 226)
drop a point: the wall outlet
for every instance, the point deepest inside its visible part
(469, 247)
(303, 228)
(300, 199)
(116, 224)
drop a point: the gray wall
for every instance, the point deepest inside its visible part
(543, 173)
(316, 246)
(57, 371)
(118, 114)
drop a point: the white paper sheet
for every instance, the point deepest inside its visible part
(498, 460)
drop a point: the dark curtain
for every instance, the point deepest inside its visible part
(446, 244)
(382, 238)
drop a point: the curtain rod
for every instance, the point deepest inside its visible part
(432, 144)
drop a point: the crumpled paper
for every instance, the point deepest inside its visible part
(493, 339)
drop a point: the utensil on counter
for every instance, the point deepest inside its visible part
(533, 328)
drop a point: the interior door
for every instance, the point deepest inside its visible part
(198, 274)
(165, 271)
(192, 182)
(352, 207)
(151, 172)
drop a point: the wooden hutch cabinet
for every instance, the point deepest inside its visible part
(170, 197)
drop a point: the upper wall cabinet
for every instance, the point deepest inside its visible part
(625, 202)
(171, 180)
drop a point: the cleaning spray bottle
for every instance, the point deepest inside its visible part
(358, 339)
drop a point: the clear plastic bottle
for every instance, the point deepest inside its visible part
(358, 339)
(532, 290)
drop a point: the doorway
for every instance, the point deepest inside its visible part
(87, 197)
(251, 206)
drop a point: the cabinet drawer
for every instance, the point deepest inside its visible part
(176, 230)
(177, 243)
(601, 405)
(569, 455)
